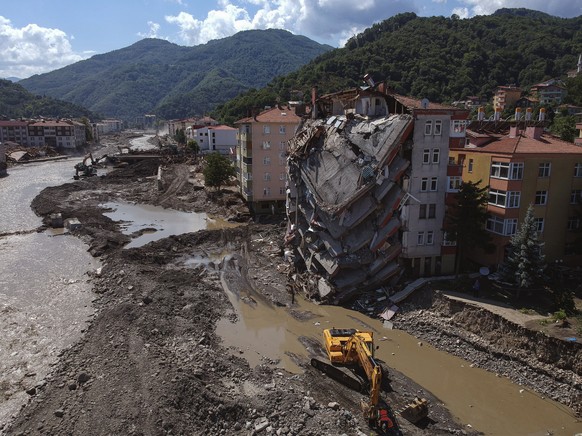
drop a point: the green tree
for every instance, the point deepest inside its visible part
(564, 126)
(218, 170)
(193, 147)
(525, 264)
(180, 137)
(466, 219)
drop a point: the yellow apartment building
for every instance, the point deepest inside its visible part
(506, 96)
(261, 157)
(522, 166)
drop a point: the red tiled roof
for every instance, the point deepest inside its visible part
(274, 115)
(413, 103)
(221, 127)
(13, 123)
(525, 145)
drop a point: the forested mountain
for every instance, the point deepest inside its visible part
(156, 76)
(16, 102)
(442, 59)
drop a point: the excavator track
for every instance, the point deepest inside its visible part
(342, 375)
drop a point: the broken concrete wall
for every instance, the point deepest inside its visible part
(343, 199)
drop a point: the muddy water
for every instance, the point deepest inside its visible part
(45, 298)
(488, 403)
(152, 223)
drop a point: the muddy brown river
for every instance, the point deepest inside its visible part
(488, 403)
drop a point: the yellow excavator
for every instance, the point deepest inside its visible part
(353, 348)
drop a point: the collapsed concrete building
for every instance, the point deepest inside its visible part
(351, 178)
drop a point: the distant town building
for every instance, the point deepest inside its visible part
(53, 133)
(261, 157)
(506, 96)
(183, 124)
(216, 138)
(549, 93)
(109, 126)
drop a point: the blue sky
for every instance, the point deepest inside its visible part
(38, 36)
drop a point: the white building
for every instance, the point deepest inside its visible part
(220, 138)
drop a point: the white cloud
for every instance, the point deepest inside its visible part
(332, 21)
(154, 28)
(461, 12)
(33, 50)
(560, 8)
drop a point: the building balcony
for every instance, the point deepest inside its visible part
(454, 170)
(246, 150)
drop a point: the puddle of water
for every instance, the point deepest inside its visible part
(491, 404)
(155, 222)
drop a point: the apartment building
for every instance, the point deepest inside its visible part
(549, 93)
(522, 166)
(505, 96)
(261, 157)
(219, 138)
(437, 128)
(183, 124)
(53, 133)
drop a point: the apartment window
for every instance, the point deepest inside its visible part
(432, 210)
(282, 145)
(438, 127)
(497, 197)
(516, 171)
(434, 183)
(576, 196)
(453, 183)
(267, 192)
(267, 177)
(428, 128)
(424, 184)
(511, 226)
(266, 130)
(429, 237)
(426, 156)
(420, 238)
(435, 155)
(422, 212)
(458, 126)
(282, 176)
(266, 160)
(281, 190)
(541, 198)
(544, 169)
(573, 223)
(266, 145)
(539, 224)
(282, 130)
(513, 199)
(578, 170)
(470, 167)
(502, 227)
(500, 170)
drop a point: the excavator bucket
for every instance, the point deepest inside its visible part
(415, 411)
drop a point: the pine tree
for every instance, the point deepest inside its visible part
(467, 218)
(525, 264)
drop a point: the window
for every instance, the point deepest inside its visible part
(578, 170)
(428, 128)
(429, 237)
(267, 177)
(281, 190)
(266, 130)
(470, 167)
(434, 183)
(424, 184)
(573, 223)
(422, 212)
(426, 156)
(500, 170)
(266, 145)
(432, 210)
(544, 169)
(513, 198)
(420, 238)
(447, 240)
(282, 176)
(453, 183)
(435, 155)
(267, 192)
(282, 145)
(511, 226)
(502, 227)
(282, 130)
(438, 127)
(266, 160)
(575, 196)
(497, 197)
(541, 198)
(516, 171)
(458, 126)
(539, 224)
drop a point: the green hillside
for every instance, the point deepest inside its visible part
(442, 59)
(17, 102)
(156, 76)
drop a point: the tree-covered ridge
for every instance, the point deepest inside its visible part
(17, 102)
(442, 59)
(156, 76)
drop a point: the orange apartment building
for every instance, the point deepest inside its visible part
(522, 166)
(506, 96)
(261, 157)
